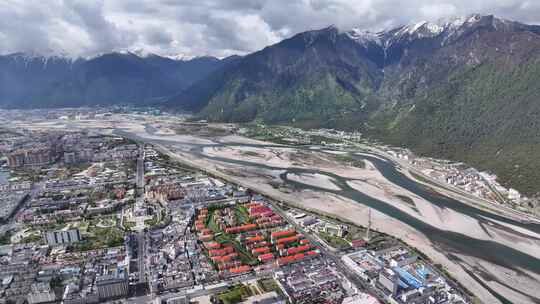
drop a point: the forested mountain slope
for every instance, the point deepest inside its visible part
(466, 89)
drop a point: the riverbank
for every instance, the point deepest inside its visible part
(455, 192)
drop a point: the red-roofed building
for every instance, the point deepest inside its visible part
(285, 240)
(223, 258)
(298, 249)
(217, 252)
(206, 238)
(253, 204)
(260, 250)
(199, 225)
(212, 245)
(241, 228)
(240, 269)
(298, 256)
(285, 260)
(258, 244)
(358, 243)
(259, 211)
(282, 233)
(289, 259)
(266, 257)
(256, 238)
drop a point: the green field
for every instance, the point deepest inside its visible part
(251, 153)
(235, 295)
(97, 237)
(268, 285)
(242, 214)
(333, 241)
(350, 160)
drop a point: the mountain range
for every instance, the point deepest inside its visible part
(465, 88)
(34, 80)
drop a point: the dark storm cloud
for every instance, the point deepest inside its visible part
(214, 27)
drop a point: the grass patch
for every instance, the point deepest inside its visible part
(333, 241)
(128, 225)
(32, 238)
(5, 239)
(251, 153)
(242, 214)
(153, 221)
(70, 170)
(97, 237)
(26, 174)
(407, 200)
(235, 295)
(350, 160)
(268, 285)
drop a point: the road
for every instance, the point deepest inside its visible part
(141, 235)
(30, 195)
(86, 185)
(140, 170)
(141, 253)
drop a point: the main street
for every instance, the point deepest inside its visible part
(141, 234)
(140, 171)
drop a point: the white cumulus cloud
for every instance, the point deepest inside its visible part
(213, 27)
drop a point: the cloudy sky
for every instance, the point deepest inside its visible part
(213, 27)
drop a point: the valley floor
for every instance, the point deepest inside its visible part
(482, 250)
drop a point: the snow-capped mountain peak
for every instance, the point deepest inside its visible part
(448, 27)
(364, 37)
(44, 57)
(179, 57)
(457, 22)
(419, 30)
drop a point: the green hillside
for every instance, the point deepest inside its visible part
(487, 116)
